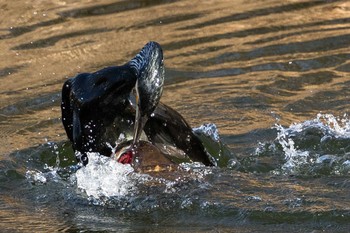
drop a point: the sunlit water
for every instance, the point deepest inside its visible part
(272, 76)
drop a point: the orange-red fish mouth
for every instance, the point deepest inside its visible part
(126, 157)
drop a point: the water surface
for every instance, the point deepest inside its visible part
(273, 76)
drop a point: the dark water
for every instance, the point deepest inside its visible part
(272, 75)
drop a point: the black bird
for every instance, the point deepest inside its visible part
(99, 115)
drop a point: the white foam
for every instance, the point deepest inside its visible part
(329, 125)
(293, 156)
(105, 177)
(210, 130)
(37, 177)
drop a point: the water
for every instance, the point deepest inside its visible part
(272, 76)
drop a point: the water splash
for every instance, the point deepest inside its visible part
(50, 173)
(294, 157)
(317, 146)
(197, 169)
(104, 177)
(36, 177)
(217, 151)
(209, 130)
(106, 182)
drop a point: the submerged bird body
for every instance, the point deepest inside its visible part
(99, 115)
